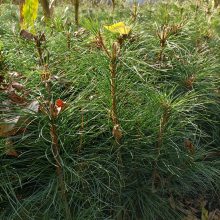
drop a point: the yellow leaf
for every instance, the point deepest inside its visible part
(29, 12)
(119, 27)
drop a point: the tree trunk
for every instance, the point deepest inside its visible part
(216, 3)
(46, 8)
(21, 3)
(76, 3)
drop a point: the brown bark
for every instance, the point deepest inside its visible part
(46, 8)
(113, 67)
(59, 171)
(76, 4)
(113, 5)
(216, 3)
(21, 3)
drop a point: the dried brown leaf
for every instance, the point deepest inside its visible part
(27, 35)
(16, 98)
(116, 132)
(17, 86)
(8, 127)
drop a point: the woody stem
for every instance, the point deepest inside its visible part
(113, 67)
(59, 171)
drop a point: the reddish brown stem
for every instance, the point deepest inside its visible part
(116, 131)
(56, 155)
(113, 84)
(102, 44)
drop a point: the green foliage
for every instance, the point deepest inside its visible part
(168, 110)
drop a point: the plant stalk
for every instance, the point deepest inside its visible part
(59, 172)
(55, 143)
(76, 5)
(163, 123)
(21, 4)
(46, 9)
(113, 5)
(113, 84)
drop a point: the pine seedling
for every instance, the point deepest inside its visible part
(174, 107)
(123, 30)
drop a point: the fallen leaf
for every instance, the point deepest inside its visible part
(27, 35)
(17, 86)
(8, 126)
(14, 74)
(16, 98)
(33, 107)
